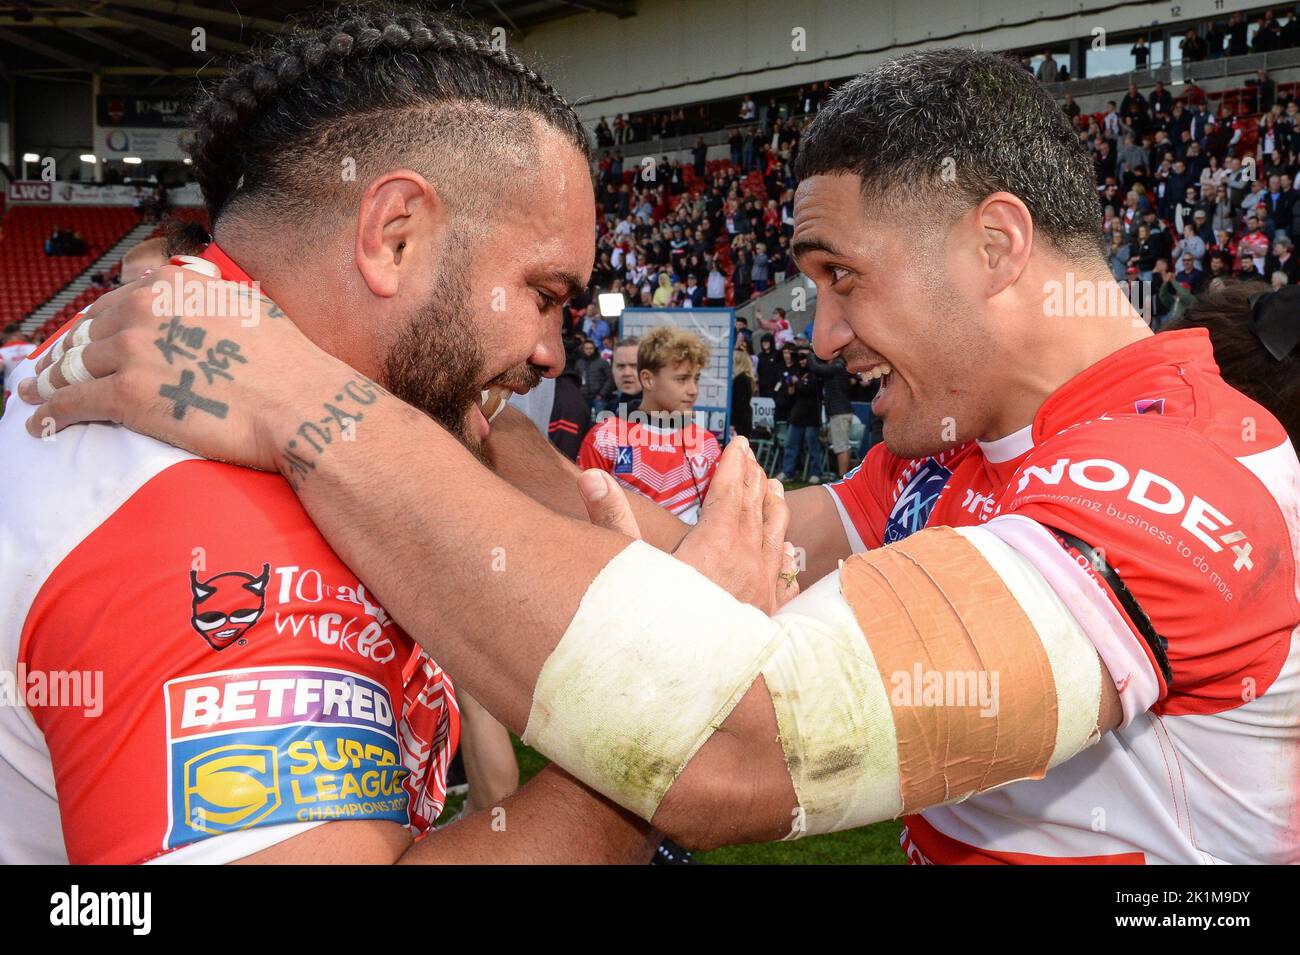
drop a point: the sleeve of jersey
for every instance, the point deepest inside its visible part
(712, 452)
(859, 500)
(1147, 530)
(591, 454)
(251, 688)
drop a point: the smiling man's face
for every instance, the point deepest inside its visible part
(889, 302)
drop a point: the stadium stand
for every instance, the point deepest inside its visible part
(82, 290)
(30, 276)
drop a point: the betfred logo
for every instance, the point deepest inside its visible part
(276, 745)
(1151, 491)
(234, 699)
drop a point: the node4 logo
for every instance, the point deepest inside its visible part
(912, 509)
(1158, 495)
(279, 745)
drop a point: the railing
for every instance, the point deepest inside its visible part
(1220, 68)
(783, 295)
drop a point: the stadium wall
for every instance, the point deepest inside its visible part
(53, 119)
(682, 51)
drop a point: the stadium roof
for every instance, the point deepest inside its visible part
(50, 37)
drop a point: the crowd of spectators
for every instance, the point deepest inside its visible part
(699, 233)
(1241, 34)
(1189, 197)
(679, 121)
(1236, 38)
(685, 235)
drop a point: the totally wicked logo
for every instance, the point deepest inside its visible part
(225, 607)
(304, 602)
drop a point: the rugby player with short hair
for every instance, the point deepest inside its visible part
(1057, 613)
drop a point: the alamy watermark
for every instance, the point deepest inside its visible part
(186, 296)
(921, 687)
(34, 689)
(1092, 298)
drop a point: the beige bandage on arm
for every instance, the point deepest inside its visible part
(967, 673)
(921, 673)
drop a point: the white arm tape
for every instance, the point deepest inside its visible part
(653, 661)
(657, 656)
(832, 708)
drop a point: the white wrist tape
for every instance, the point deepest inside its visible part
(44, 387)
(919, 674)
(654, 660)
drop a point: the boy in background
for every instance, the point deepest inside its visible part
(659, 451)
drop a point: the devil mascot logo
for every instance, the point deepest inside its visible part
(226, 606)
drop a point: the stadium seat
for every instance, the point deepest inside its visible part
(30, 276)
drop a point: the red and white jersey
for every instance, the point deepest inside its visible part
(194, 675)
(782, 332)
(671, 466)
(12, 355)
(1191, 492)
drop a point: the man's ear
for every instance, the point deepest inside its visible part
(1008, 233)
(399, 231)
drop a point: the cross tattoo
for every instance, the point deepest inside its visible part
(183, 397)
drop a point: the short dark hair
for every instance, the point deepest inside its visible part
(960, 125)
(375, 83)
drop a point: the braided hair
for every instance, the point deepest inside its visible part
(375, 79)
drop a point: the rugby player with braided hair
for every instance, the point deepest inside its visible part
(388, 173)
(1058, 615)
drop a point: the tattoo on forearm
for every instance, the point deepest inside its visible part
(341, 414)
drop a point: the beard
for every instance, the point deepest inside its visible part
(436, 362)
